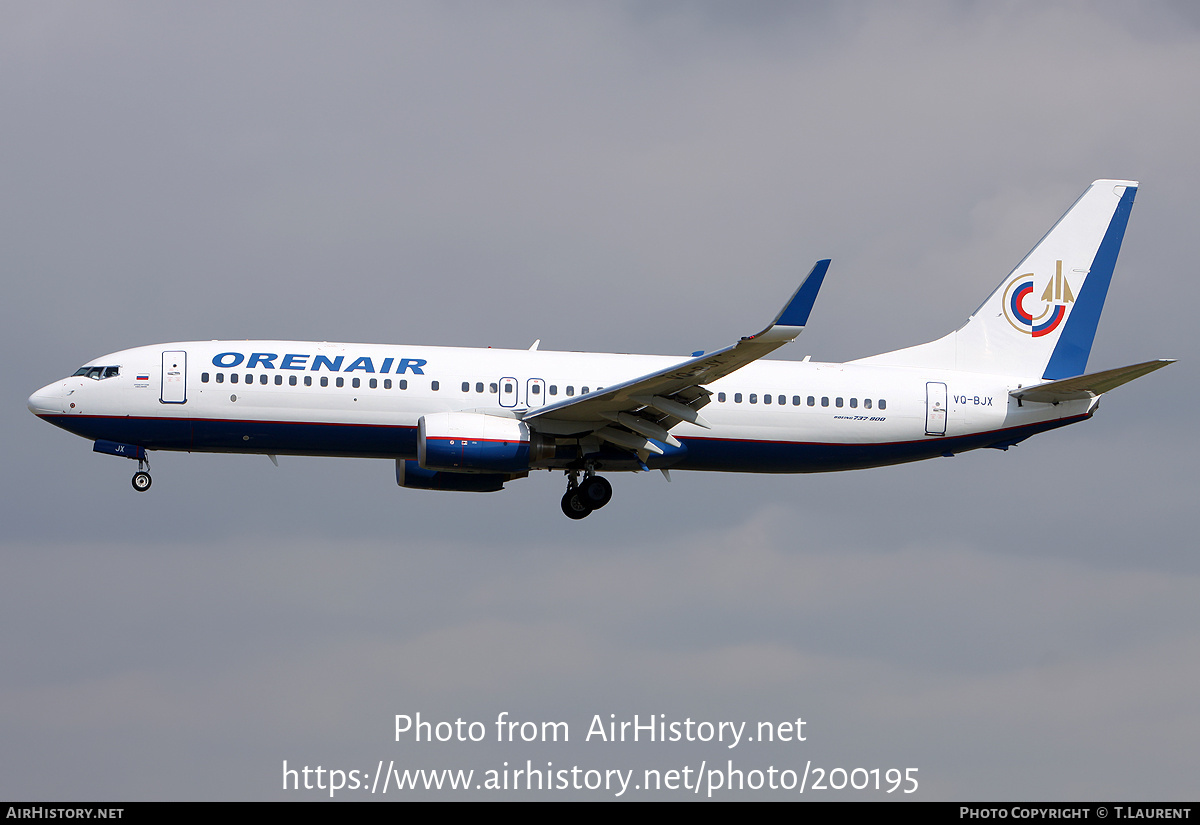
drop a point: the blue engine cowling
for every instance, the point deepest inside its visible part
(461, 442)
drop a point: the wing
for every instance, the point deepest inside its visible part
(634, 414)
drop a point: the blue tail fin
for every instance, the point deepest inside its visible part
(1042, 319)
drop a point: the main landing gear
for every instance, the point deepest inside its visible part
(141, 479)
(582, 498)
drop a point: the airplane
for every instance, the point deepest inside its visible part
(471, 420)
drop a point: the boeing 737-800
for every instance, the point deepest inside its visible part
(474, 419)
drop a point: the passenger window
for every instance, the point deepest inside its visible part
(262, 379)
(721, 397)
(479, 386)
(782, 399)
(853, 403)
(753, 398)
(824, 400)
(570, 390)
(374, 383)
(387, 383)
(355, 382)
(583, 390)
(402, 383)
(435, 385)
(795, 401)
(220, 378)
(867, 403)
(837, 402)
(308, 380)
(737, 398)
(882, 404)
(249, 378)
(341, 382)
(291, 380)
(466, 386)
(766, 398)
(554, 389)
(536, 389)
(324, 380)
(204, 378)
(233, 378)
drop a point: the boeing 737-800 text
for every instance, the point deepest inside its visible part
(474, 419)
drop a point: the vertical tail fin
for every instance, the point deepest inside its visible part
(1042, 318)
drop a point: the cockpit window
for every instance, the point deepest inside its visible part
(98, 373)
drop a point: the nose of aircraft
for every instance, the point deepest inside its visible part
(46, 400)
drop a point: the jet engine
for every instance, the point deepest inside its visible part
(461, 442)
(410, 474)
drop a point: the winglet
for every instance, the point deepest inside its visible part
(794, 316)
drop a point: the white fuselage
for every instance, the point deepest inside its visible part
(310, 398)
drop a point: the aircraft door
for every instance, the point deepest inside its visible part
(174, 377)
(508, 392)
(935, 408)
(535, 392)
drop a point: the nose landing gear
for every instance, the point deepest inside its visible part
(141, 479)
(582, 498)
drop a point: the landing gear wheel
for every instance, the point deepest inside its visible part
(595, 492)
(573, 506)
(141, 481)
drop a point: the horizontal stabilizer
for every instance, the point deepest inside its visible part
(1087, 386)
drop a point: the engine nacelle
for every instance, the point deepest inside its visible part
(410, 474)
(462, 442)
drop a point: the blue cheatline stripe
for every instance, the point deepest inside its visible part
(227, 436)
(727, 455)
(1074, 345)
(375, 441)
(796, 313)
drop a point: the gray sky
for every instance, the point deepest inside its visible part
(603, 176)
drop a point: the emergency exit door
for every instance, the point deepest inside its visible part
(508, 392)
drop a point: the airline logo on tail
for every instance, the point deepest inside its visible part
(1055, 299)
